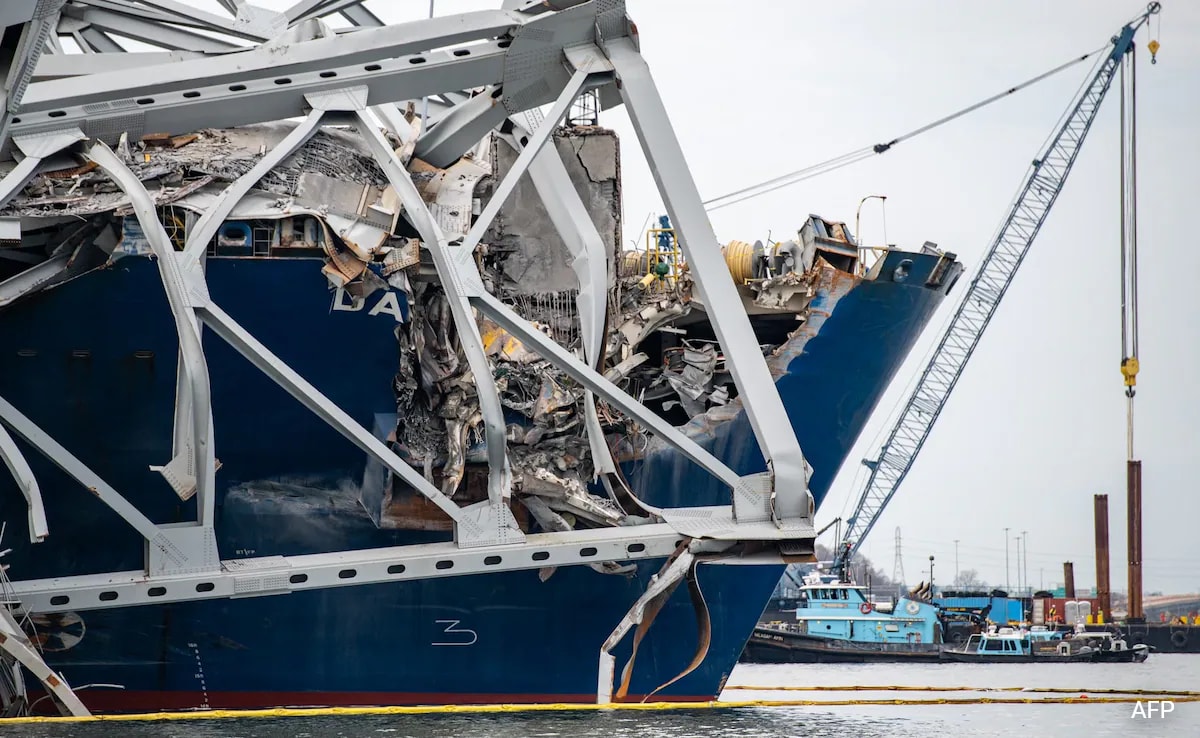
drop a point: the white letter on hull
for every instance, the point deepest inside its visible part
(340, 301)
(388, 304)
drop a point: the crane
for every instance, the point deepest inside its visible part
(1045, 180)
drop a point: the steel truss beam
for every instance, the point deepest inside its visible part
(282, 574)
(32, 42)
(306, 9)
(94, 40)
(150, 32)
(233, 334)
(256, 26)
(186, 290)
(524, 159)
(242, 100)
(274, 60)
(360, 16)
(458, 272)
(35, 149)
(181, 474)
(460, 128)
(193, 548)
(271, 82)
(55, 66)
(475, 525)
(788, 496)
(159, 539)
(16, 644)
(11, 455)
(210, 221)
(499, 471)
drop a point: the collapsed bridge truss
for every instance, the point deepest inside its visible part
(480, 74)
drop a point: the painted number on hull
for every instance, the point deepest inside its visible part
(387, 304)
(457, 636)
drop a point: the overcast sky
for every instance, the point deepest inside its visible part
(1037, 424)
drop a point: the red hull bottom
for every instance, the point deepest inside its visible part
(125, 701)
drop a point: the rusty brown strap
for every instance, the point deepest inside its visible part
(703, 630)
(648, 615)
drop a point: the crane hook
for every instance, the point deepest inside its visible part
(1153, 9)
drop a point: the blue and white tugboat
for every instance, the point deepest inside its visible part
(837, 621)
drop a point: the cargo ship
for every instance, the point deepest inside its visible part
(321, 264)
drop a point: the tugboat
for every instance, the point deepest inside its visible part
(836, 622)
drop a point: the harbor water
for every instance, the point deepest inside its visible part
(1161, 672)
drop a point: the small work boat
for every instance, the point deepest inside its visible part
(1041, 644)
(1108, 646)
(1007, 645)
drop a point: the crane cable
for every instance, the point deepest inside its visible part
(853, 157)
(1129, 275)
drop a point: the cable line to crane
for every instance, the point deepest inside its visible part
(1043, 184)
(1129, 321)
(853, 157)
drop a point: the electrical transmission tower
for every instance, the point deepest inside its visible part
(898, 566)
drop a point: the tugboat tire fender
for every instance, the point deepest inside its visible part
(1179, 638)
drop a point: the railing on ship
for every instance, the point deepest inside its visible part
(659, 264)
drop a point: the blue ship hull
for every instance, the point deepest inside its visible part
(93, 363)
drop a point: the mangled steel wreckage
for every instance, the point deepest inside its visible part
(331, 201)
(450, 294)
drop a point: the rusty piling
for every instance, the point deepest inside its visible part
(1133, 488)
(1069, 580)
(1104, 599)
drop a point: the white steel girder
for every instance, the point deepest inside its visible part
(17, 645)
(19, 467)
(788, 496)
(270, 82)
(186, 290)
(499, 471)
(20, 67)
(35, 148)
(164, 547)
(273, 575)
